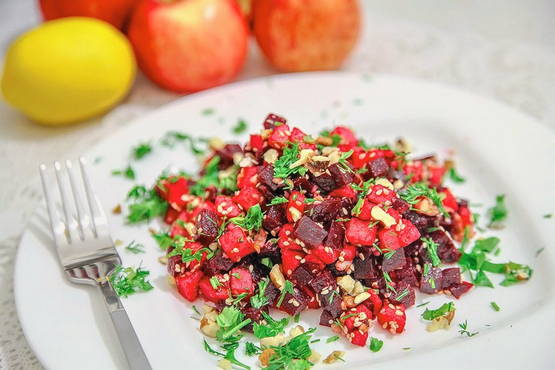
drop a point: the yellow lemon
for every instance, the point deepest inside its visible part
(68, 70)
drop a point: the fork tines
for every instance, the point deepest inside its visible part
(78, 220)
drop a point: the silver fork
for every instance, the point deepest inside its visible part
(85, 248)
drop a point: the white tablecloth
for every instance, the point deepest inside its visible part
(520, 74)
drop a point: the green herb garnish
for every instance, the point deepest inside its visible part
(141, 150)
(240, 127)
(293, 355)
(431, 247)
(271, 328)
(259, 299)
(375, 344)
(282, 166)
(251, 349)
(464, 329)
(135, 247)
(420, 189)
(441, 311)
(127, 280)
(332, 339)
(252, 221)
(278, 200)
(128, 172)
(495, 306)
(287, 288)
(455, 177)
(147, 207)
(498, 212)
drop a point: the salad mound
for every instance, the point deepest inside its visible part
(295, 222)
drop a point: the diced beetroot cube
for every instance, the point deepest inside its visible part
(381, 153)
(324, 181)
(294, 303)
(279, 137)
(359, 158)
(290, 260)
(366, 268)
(431, 283)
(273, 120)
(366, 210)
(295, 207)
(450, 277)
(344, 192)
(395, 261)
(301, 276)
(347, 136)
(248, 197)
(225, 207)
(312, 301)
(358, 338)
(349, 252)
(400, 205)
(378, 167)
(188, 284)
(359, 232)
(446, 250)
(336, 236)
(207, 226)
(325, 211)
(374, 303)
(449, 201)
(389, 239)
(309, 232)
(459, 289)
(241, 281)
(219, 294)
(466, 215)
(235, 243)
(247, 177)
(406, 299)
(392, 318)
(297, 135)
(177, 227)
(274, 217)
(408, 232)
(379, 194)
(171, 215)
(256, 142)
(314, 263)
(266, 176)
(435, 174)
(323, 282)
(172, 189)
(341, 175)
(325, 254)
(360, 313)
(218, 263)
(285, 238)
(415, 169)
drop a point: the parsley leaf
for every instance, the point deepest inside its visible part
(137, 192)
(172, 138)
(293, 355)
(455, 177)
(259, 299)
(208, 111)
(187, 255)
(481, 279)
(444, 309)
(230, 320)
(332, 339)
(128, 173)
(141, 150)
(251, 349)
(282, 166)
(135, 248)
(495, 306)
(420, 189)
(431, 247)
(252, 221)
(464, 329)
(498, 212)
(211, 178)
(162, 238)
(287, 288)
(271, 328)
(375, 344)
(240, 127)
(150, 205)
(127, 280)
(278, 200)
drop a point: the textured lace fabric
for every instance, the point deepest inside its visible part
(520, 75)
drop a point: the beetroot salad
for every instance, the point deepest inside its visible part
(295, 222)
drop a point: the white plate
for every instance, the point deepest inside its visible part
(499, 150)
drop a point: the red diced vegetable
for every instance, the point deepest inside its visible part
(248, 197)
(226, 207)
(216, 290)
(359, 232)
(188, 284)
(392, 318)
(235, 243)
(279, 137)
(247, 177)
(241, 281)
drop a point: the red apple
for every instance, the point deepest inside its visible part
(189, 45)
(115, 12)
(305, 35)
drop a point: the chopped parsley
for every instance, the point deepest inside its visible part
(388, 282)
(211, 179)
(495, 306)
(148, 206)
(335, 138)
(431, 247)
(137, 192)
(252, 221)
(240, 127)
(230, 348)
(172, 138)
(423, 304)
(455, 177)
(208, 111)
(343, 160)
(420, 189)
(332, 339)
(187, 255)
(162, 238)
(498, 213)
(266, 261)
(135, 248)
(464, 329)
(230, 321)
(252, 349)
(287, 288)
(441, 311)
(271, 328)
(548, 215)
(141, 150)
(215, 283)
(278, 200)
(128, 172)
(293, 355)
(127, 280)
(375, 344)
(282, 166)
(259, 299)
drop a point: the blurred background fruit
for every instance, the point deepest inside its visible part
(115, 12)
(68, 70)
(189, 45)
(306, 35)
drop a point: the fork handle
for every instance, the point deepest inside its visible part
(136, 357)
